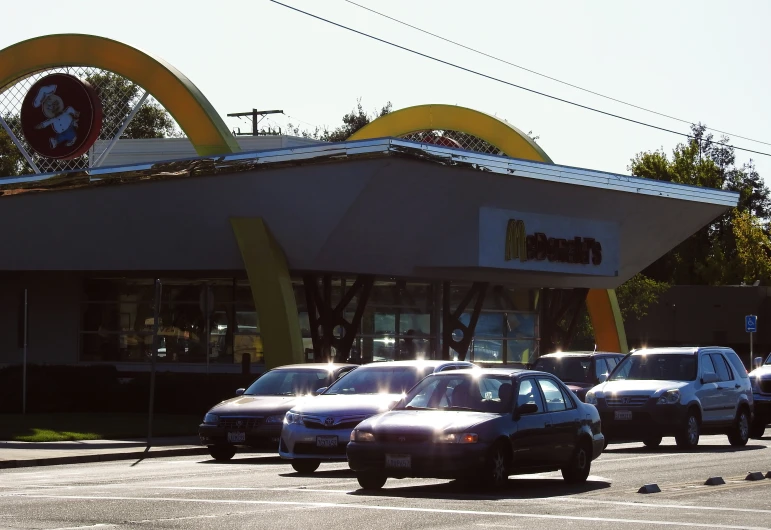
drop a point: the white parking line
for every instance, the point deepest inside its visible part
(476, 513)
(673, 506)
(603, 461)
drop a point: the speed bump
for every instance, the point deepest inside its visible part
(755, 475)
(714, 481)
(650, 488)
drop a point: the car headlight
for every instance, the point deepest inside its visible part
(590, 398)
(670, 397)
(293, 417)
(211, 419)
(457, 438)
(278, 418)
(362, 436)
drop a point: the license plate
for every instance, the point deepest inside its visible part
(236, 437)
(326, 441)
(398, 461)
(622, 415)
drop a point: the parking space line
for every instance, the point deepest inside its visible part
(601, 460)
(476, 513)
(673, 506)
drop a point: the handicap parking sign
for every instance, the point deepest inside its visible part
(751, 323)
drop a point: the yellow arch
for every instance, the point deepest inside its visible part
(601, 303)
(187, 105)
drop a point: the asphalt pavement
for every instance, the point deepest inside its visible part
(261, 491)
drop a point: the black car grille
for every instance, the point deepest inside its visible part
(403, 438)
(238, 424)
(765, 386)
(319, 425)
(626, 401)
(308, 448)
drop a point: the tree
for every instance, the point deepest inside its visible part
(352, 122)
(710, 256)
(118, 96)
(753, 248)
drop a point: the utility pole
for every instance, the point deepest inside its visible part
(256, 116)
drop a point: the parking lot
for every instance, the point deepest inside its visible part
(260, 491)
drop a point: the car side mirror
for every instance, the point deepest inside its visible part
(527, 408)
(758, 362)
(603, 378)
(320, 390)
(709, 377)
(240, 391)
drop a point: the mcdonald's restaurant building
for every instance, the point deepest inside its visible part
(435, 231)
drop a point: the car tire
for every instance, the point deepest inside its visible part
(739, 434)
(222, 453)
(371, 481)
(496, 467)
(306, 467)
(757, 429)
(688, 437)
(653, 441)
(577, 470)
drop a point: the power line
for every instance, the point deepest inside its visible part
(493, 78)
(547, 76)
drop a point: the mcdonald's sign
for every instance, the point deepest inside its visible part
(516, 240)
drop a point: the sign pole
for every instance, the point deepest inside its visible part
(751, 334)
(24, 363)
(153, 355)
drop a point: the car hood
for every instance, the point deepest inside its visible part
(257, 405)
(408, 421)
(762, 371)
(349, 404)
(642, 387)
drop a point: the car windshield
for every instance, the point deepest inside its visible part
(379, 380)
(289, 382)
(454, 391)
(656, 366)
(768, 359)
(567, 368)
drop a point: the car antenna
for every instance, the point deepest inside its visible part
(595, 349)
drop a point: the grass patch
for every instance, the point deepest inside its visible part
(72, 427)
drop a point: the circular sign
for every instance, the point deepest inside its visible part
(61, 116)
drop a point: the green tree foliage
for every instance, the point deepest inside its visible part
(118, 96)
(637, 294)
(711, 255)
(352, 122)
(753, 248)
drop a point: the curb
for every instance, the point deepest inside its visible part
(104, 457)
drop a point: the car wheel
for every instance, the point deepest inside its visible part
(577, 470)
(739, 434)
(222, 453)
(757, 429)
(653, 441)
(371, 481)
(688, 437)
(306, 466)
(496, 469)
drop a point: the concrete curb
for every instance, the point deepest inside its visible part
(103, 457)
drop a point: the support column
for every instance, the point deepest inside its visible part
(451, 320)
(271, 286)
(607, 322)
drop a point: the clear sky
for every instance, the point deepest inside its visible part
(701, 60)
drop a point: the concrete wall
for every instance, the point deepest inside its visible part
(54, 300)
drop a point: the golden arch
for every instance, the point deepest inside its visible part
(187, 105)
(601, 303)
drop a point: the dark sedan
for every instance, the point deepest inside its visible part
(580, 371)
(256, 415)
(479, 425)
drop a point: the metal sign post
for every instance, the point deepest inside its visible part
(751, 326)
(153, 355)
(24, 363)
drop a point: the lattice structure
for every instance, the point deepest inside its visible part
(453, 139)
(118, 97)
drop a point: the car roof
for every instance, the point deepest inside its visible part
(427, 362)
(514, 373)
(579, 354)
(314, 366)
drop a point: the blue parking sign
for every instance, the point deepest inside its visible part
(751, 323)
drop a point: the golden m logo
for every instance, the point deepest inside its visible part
(515, 240)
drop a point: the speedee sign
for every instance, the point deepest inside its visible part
(535, 242)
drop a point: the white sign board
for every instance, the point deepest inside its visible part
(535, 242)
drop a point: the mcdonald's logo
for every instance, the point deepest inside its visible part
(516, 240)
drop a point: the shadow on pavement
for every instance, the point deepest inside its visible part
(666, 449)
(254, 461)
(520, 488)
(331, 473)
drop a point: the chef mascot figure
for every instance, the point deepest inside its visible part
(63, 120)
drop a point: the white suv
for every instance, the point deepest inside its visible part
(680, 392)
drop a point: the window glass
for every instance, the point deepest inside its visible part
(568, 399)
(656, 367)
(566, 368)
(289, 382)
(529, 393)
(376, 380)
(462, 392)
(600, 368)
(706, 365)
(723, 371)
(613, 362)
(553, 397)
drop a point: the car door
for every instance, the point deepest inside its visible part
(561, 421)
(530, 435)
(729, 390)
(709, 394)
